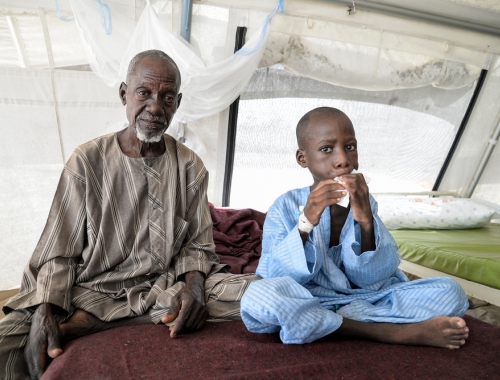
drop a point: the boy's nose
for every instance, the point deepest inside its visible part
(341, 160)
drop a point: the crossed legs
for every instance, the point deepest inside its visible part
(419, 313)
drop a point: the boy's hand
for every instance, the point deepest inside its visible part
(359, 198)
(326, 193)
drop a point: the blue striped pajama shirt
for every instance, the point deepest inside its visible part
(306, 290)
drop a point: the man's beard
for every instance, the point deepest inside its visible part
(151, 138)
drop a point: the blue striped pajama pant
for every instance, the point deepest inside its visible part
(281, 304)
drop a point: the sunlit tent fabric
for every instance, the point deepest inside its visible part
(52, 102)
(206, 89)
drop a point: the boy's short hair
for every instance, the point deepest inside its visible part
(301, 130)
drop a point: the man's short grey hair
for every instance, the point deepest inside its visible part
(153, 54)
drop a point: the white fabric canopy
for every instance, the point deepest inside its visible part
(380, 62)
(206, 90)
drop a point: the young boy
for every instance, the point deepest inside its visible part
(334, 269)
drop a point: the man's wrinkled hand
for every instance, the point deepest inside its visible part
(43, 341)
(189, 304)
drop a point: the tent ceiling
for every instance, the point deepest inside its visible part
(479, 12)
(22, 40)
(481, 15)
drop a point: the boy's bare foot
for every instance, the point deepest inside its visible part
(445, 332)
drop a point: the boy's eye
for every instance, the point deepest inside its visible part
(325, 149)
(351, 147)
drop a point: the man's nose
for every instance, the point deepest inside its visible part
(155, 106)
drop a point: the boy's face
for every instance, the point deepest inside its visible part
(330, 149)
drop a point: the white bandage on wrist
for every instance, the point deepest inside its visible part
(304, 224)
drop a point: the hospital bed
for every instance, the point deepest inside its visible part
(228, 351)
(470, 256)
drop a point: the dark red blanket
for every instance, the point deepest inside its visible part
(228, 351)
(238, 237)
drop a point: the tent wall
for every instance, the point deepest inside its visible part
(482, 124)
(48, 108)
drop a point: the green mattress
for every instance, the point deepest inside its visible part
(470, 254)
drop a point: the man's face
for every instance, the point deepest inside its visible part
(330, 149)
(151, 97)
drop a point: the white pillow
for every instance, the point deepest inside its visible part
(433, 213)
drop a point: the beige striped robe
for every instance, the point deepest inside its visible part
(121, 231)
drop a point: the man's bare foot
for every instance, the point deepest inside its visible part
(43, 341)
(445, 332)
(82, 323)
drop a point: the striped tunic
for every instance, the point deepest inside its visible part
(121, 231)
(307, 289)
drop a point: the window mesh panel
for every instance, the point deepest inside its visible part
(403, 135)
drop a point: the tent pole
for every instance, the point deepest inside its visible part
(461, 129)
(187, 13)
(18, 41)
(50, 56)
(391, 9)
(231, 128)
(485, 158)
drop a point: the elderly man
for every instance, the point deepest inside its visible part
(128, 239)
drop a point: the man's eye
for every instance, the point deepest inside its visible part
(142, 93)
(351, 147)
(325, 149)
(169, 98)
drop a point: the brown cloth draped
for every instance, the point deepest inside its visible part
(238, 237)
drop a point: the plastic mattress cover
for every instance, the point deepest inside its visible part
(472, 254)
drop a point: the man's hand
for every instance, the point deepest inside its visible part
(360, 207)
(189, 305)
(43, 341)
(326, 193)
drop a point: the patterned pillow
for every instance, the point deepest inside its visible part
(433, 213)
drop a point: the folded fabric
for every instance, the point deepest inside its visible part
(433, 213)
(238, 237)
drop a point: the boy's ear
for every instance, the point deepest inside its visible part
(301, 158)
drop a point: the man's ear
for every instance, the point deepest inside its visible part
(123, 93)
(179, 98)
(301, 158)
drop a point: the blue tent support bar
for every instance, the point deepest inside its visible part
(186, 17)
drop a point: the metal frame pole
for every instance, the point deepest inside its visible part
(485, 158)
(461, 129)
(231, 130)
(391, 9)
(187, 13)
